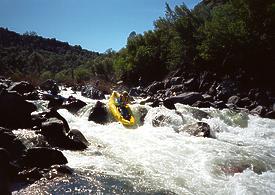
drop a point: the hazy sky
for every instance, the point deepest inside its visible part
(94, 24)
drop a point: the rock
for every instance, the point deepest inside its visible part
(135, 91)
(55, 102)
(92, 93)
(244, 102)
(31, 96)
(203, 104)
(142, 113)
(220, 105)
(30, 175)
(191, 84)
(177, 88)
(270, 114)
(176, 80)
(5, 172)
(54, 131)
(3, 86)
(259, 110)
(58, 171)
(54, 114)
(73, 105)
(234, 100)
(76, 140)
(207, 97)
(47, 85)
(11, 143)
(154, 87)
(169, 104)
(226, 89)
(199, 114)
(99, 113)
(155, 103)
(158, 121)
(188, 98)
(199, 129)
(21, 87)
(13, 108)
(42, 157)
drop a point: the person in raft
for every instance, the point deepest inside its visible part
(121, 103)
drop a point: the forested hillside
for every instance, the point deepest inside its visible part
(35, 58)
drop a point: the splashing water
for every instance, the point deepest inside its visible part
(157, 160)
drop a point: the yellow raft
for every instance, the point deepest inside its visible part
(114, 110)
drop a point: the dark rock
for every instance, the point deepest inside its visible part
(158, 121)
(3, 86)
(207, 97)
(30, 175)
(73, 105)
(11, 143)
(31, 96)
(199, 114)
(169, 104)
(47, 85)
(21, 87)
(154, 87)
(58, 171)
(191, 84)
(199, 129)
(76, 140)
(92, 93)
(142, 113)
(99, 113)
(203, 104)
(234, 100)
(176, 80)
(56, 102)
(220, 105)
(226, 89)
(177, 88)
(188, 98)
(54, 131)
(270, 114)
(54, 114)
(13, 108)
(244, 102)
(42, 157)
(5, 176)
(259, 110)
(136, 91)
(155, 104)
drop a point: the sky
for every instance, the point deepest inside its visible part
(96, 25)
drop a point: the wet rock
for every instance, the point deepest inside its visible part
(154, 87)
(30, 175)
(199, 114)
(207, 97)
(136, 91)
(76, 140)
(177, 88)
(142, 113)
(31, 96)
(191, 84)
(270, 115)
(203, 104)
(21, 87)
(13, 108)
(73, 105)
(226, 89)
(54, 114)
(234, 100)
(188, 98)
(11, 143)
(58, 171)
(43, 157)
(99, 113)
(220, 105)
(54, 131)
(199, 129)
(158, 121)
(176, 80)
(169, 104)
(5, 175)
(47, 85)
(259, 110)
(92, 92)
(155, 103)
(56, 102)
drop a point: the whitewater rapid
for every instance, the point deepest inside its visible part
(158, 160)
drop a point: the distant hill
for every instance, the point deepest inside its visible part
(35, 57)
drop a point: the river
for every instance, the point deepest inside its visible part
(159, 160)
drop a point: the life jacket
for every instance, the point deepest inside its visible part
(124, 100)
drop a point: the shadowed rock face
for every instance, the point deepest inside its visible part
(15, 112)
(99, 113)
(43, 157)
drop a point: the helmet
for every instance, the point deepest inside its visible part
(125, 93)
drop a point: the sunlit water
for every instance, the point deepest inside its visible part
(158, 160)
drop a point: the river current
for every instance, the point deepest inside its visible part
(151, 159)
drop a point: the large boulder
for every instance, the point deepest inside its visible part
(42, 157)
(188, 98)
(22, 87)
(15, 112)
(47, 85)
(92, 92)
(99, 113)
(76, 140)
(11, 143)
(73, 105)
